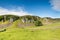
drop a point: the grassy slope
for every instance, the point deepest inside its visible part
(24, 34)
(32, 34)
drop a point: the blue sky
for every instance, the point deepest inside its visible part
(42, 8)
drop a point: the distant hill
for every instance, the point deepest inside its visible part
(27, 20)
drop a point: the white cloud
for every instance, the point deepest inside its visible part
(55, 4)
(16, 11)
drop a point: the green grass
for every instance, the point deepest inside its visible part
(32, 34)
(25, 34)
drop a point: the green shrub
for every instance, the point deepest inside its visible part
(38, 23)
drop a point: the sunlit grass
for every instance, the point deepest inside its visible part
(26, 34)
(13, 33)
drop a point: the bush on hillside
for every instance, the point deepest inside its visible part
(38, 23)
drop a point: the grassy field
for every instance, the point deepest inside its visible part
(47, 32)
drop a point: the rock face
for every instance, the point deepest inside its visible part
(24, 20)
(4, 18)
(11, 20)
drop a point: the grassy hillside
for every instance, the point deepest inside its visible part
(28, 30)
(49, 32)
